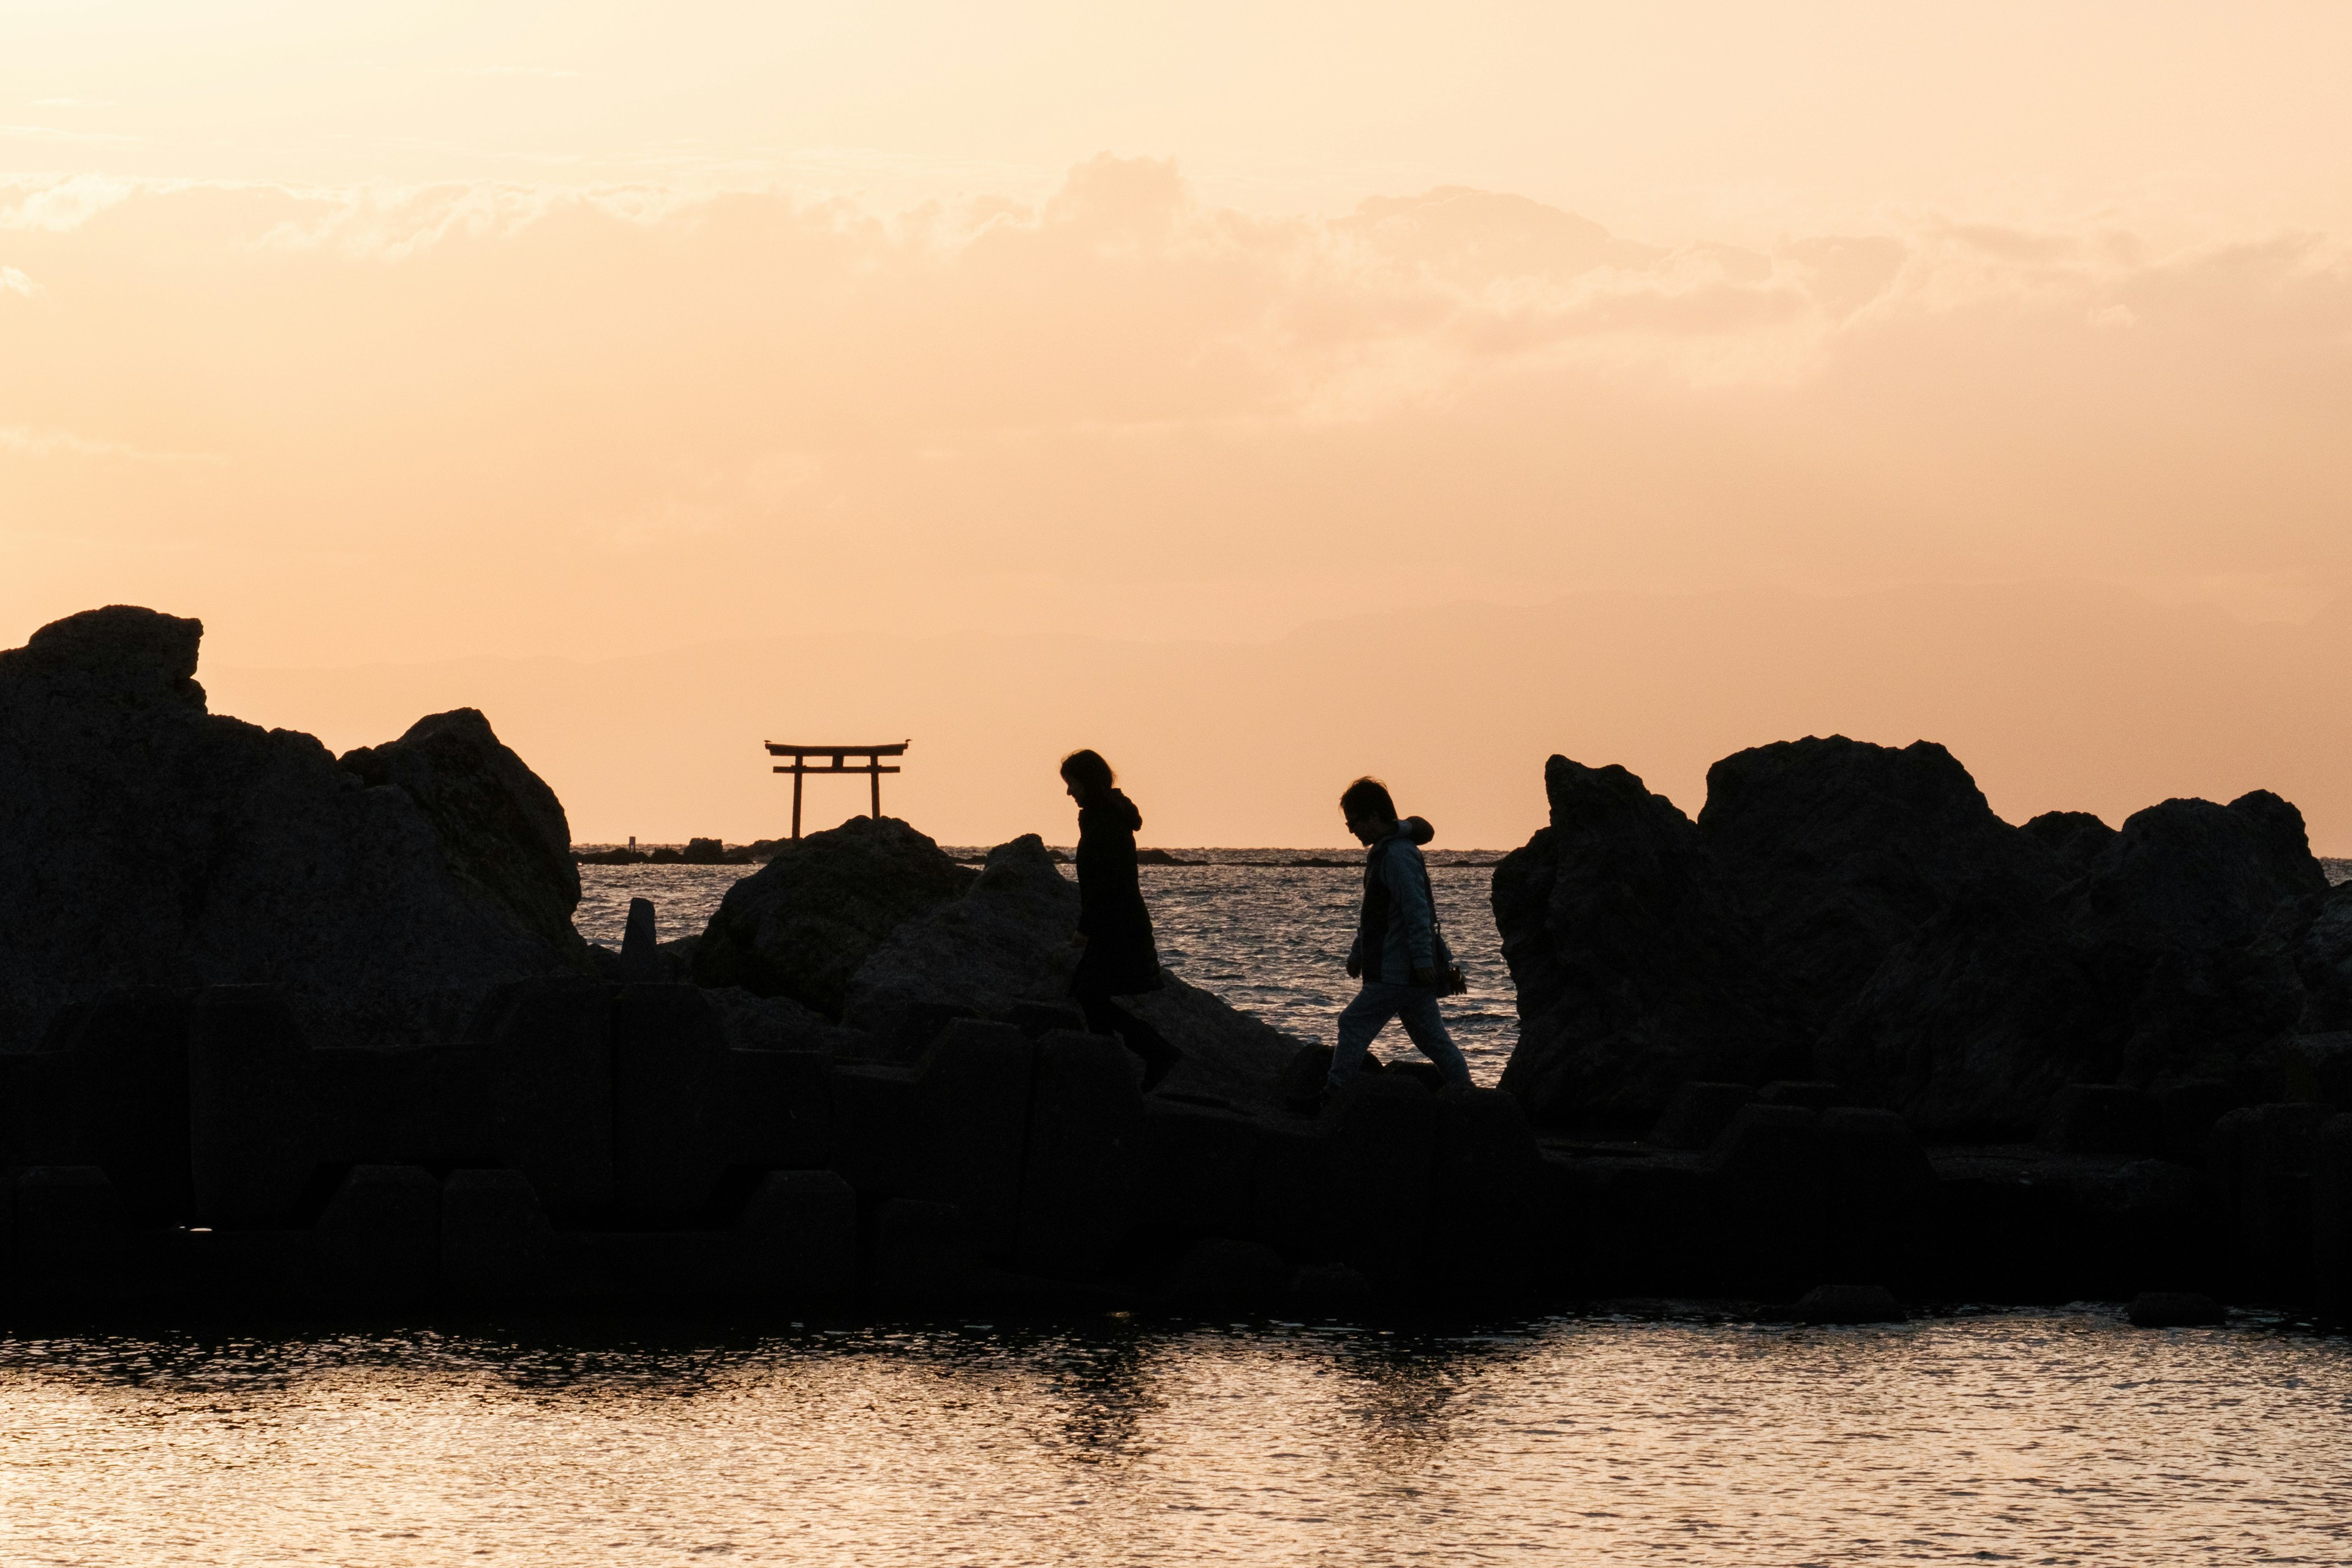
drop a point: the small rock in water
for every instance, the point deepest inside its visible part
(1850, 1304)
(2174, 1310)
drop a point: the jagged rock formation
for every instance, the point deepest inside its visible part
(1011, 941)
(1933, 958)
(1841, 852)
(1637, 971)
(149, 842)
(502, 829)
(803, 925)
(1012, 938)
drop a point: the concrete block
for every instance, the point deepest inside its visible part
(2266, 1154)
(876, 1139)
(1223, 1274)
(1618, 1225)
(1698, 1113)
(2331, 1219)
(128, 1112)
(1483, 1171)
(379, 1241)
(779, 1110)
(2102, 1118)
(971, 1098)
(1766, 1171)
(670, 1067)
(1083, 1154)
(549, 1088)
(1877, 1197)
(495, 1242)
(1199, 1168)
(2001, 1235)
(797, 1241)
(922, 1256)
(254, 1118)
(74, 1237)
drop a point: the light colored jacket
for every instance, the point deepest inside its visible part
(1411, 940)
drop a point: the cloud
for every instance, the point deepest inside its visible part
(14, 282)
(610, 402)
(73, 103)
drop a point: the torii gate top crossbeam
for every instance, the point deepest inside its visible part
(873, 767)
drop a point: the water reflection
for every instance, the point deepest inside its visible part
(2052, 1438)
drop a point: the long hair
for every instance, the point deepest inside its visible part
(1093, 776)
(1368, 797)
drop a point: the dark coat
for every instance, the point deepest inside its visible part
(1120, 958)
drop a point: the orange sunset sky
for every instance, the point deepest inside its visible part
(1261, 394)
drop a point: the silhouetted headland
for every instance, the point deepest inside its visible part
(285, 1028)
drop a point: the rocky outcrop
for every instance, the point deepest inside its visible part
(149, 842)
(1936, 960)
(2323, 960)
(1637, 969)
(1841, 851)
(502, 829)
(803, 925)
(1008, 945)
(1012, 938)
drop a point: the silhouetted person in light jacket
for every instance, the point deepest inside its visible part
(1120, 960)
(1398, 951)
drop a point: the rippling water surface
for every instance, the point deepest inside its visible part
(1272, 939)
(2055, 1438)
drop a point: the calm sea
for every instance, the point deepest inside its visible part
(1269, 937)
(2034, 1439)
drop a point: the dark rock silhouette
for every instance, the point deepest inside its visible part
(1931, 958)
(2170, 959)
(1637, 969)
(1011, 937)
(2072, 837)
(502, 831)
(1010, 944)
(1840, 852)
(150, 842)
(2323, 961)
(803, 925)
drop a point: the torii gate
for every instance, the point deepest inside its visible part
(799, 768)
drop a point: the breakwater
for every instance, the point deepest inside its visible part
(587, 1144)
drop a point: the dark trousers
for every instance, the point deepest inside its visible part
(1104, 1016)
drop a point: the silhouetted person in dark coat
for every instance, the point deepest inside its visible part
(1120, 960)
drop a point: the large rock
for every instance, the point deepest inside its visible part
(803, 925)
(2323, 958)
(146, 841)
(2171, 959)
(502, 829)
(1013, 938)
(1844, 851)
(1938, 961)
(1636, 969)
(1011, 941)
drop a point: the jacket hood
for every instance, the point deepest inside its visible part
(1117, 808)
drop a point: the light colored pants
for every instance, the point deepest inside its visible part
(1369, 1013)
